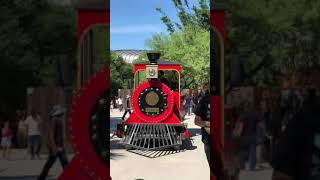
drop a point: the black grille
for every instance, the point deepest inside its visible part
(152, 136)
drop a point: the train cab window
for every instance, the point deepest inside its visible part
(168, 77)
(172, 79)
(140, 77)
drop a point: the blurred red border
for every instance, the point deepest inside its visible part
(86, 164)
(217, 19)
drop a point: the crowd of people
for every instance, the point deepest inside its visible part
(122, 103)
(250, 135)
(190, 101)
(253, 135)
(25, 133)
(30, 131)
(256, 134)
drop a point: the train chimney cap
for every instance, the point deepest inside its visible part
(153, 57)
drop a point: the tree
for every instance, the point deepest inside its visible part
(195, 15)
(31, 32)
(188, 41)
(275, 38)
(191, 47)
(120, 71)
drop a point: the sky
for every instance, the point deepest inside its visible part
(134, 21)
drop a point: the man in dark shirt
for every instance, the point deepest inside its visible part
(297, 155)
(162, 78)
(55, 141)
(199, 96)
(211, 144)
(202, 119)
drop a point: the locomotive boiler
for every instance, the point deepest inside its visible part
(155, 122)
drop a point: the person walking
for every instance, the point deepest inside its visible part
(128, 107)
(194, 103)
(202, 119)
(211, 147)
(6, 140)
(188, 105)
(33, 125)
(238, 140)
(248, 147)
(56, 145)
(22, 130)
(120, 104)
(191, 105)
(261, 134)
(290, 105)
(111, 106)
(199, 96)
(297, 154)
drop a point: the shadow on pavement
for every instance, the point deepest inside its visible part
(187, 144)
(115, 155)
(3, 169)
(155, 154)
(115, 143)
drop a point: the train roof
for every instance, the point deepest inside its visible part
(159, 62)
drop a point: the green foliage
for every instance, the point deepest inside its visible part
(195, 16)
(191, 47)
(281, 35)
(142, 57)
(31, 32)
(274, 38)
(120, 72)
(188, 42)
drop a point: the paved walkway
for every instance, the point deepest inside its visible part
(190, 164)
(20, 167)
(264, 174)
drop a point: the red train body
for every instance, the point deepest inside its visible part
(155, 121)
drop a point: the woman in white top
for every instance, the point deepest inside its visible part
(33, 125)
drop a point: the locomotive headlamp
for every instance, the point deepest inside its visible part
(152, 71)
(152, 98)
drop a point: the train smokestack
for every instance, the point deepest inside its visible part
(153, 57)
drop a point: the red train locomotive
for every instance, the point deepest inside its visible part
(155, 122)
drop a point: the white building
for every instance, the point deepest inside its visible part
(129, 55)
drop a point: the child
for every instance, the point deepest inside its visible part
(6, 140)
